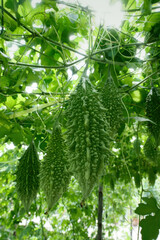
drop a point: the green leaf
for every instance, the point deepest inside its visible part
(150, 224)
(4, 82)
(145, 209)
(152, 20)
(146, 7)
(16, 134)
(150, 227)
(5, 125)
(142, 119)
(4, 59)
(12, 4)
(10, 102)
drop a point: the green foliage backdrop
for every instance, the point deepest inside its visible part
(43, 55)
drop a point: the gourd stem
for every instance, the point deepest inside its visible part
(100, 212)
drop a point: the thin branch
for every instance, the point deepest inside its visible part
(44, 66)
(75, 6)
(152, 74)
(29, 47)
(107, 61)
(15, 19)
(60, 44)
(33, 109)
(100, 212)
(123, 45)
(5, 94)
(138, 9)
(2, 19)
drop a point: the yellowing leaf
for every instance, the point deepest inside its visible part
(10, 102)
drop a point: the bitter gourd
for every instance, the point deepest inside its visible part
(137, 146)
(137, 179)
(87, 135)
(27, 179)
(153, 113)
(54, 178)
(112, 101)
(150, 150)
(152, 175)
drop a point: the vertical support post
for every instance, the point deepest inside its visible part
(100, 212)
(131, 222)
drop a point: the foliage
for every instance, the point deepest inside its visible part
(43, 52)
(150, 224)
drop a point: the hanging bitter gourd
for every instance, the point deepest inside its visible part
(153, 113)
(27, 179)
(137, 179)
(150, 150)
(137, 147)
(152, 175)
(112, 101)
(54, 178)
(87, 135)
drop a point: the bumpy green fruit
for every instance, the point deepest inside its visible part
(54, 178)
(152, 175)
(137, 147)
(153, 113)
(137, 179)
(112, 101)
(150, 150)
(87, 135)
(27, 180)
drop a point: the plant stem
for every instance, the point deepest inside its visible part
(100, 212)
(2, 19)
(152, 74)
(43, 66)
(130, 222)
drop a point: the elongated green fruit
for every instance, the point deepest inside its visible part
(54, 178)
(152, 175)
(111, 99)
(137, 179)
(137, 147)
(153, 113)
(27, 179)
(87, 135)
(150, 150)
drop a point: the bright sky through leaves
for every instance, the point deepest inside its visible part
(109, 14)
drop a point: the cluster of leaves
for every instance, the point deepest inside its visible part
(150, 224)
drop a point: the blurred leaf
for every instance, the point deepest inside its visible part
(150, 227)
(10, 102)
(12, 4)
(142, 119)
(146, 7)
(152, 20)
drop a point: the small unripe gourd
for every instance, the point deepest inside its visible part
(27, 179)
(54, 178)
(150, 150)
(112, 101)
(153, 113)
